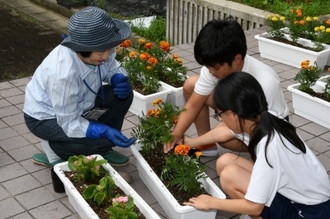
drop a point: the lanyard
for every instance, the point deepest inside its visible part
(101, 96)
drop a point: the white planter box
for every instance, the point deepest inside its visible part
(291, 55)
(82, 207)
(142, 103)
(309, 107)
(176, 96)
(165, 198)
(323, 80)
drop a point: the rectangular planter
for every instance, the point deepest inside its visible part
(289, 54)
(309, 107)
(142, 103)
(83, 208)
(176, 96)
(323, 80)
(167, 201)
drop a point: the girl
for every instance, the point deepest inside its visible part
(284, 179)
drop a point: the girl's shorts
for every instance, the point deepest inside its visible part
(282, 208)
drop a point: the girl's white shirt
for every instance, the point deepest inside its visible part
(299, 177)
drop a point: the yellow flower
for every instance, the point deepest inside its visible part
(316, 29)
(274, 18)
(322, 27)
(282, 18)
(315, 18)
(308, 19)
(141, 41)
(327, 30)
(198, 153)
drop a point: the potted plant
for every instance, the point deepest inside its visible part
(168, 176)
(96, 190)
(298, 36)
(311, 100)
(153, 72)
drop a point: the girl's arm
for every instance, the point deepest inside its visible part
(220, 134)
(241, 206)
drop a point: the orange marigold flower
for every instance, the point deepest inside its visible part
(150, 112)
(174, 56)
(178, 60)
(148, 45)
(291, 10)
(165, 46)
(157, 112)
(118, 50)
(149, 68)
(144, 56)
(132, 54)
(198, 154)
(157, 102)
(304, 64)
(328, 22)
(141, 41)
(153, 61)
(182, 149)
(125, 44)
(175, 121)
(302, 22)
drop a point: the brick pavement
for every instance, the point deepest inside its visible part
(26, 189)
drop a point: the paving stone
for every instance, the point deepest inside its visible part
(11, 171)
(24, 215)
(3, 193)
(11, 92)
(14, 119)
(13, 143)
(8, 111)
(30, 166)
(10, 207)
(65, 202)
(21, 184)
(53, 210)
(5, 159)
(43, 176)
(23, 153)
(35, 198)
(7, 133)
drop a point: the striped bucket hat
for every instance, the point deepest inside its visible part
(92, 29)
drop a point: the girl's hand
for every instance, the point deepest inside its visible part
(202, 202)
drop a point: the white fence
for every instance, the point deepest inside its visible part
(185, 18)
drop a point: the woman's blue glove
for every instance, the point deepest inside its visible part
(121, 85)
(96, 130)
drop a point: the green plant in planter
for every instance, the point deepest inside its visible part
(155, 127)
(327, 90)
(122, 207)
(104, 192)
(147, 63)
(87, 167)
(307, 75)
(183, 169)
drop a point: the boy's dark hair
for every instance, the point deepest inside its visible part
(241, 93)
(219, 42)
(85, 54)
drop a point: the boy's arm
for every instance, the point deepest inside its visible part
(186, 118)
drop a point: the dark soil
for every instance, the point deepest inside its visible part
(318, 95)
(24, 44)
(156, 160)
(99, 210)
(286, 41)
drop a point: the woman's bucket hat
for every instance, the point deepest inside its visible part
(92, 29)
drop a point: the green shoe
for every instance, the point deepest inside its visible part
(116, 159)
(42, 159)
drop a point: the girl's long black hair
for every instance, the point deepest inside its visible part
(241, 93)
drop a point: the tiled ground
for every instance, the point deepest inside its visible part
(26, 189)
